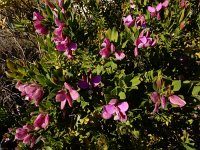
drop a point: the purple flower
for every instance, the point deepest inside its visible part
(143, 41)
(39, 27)
(23, 134)
(110, 48)
(63, 44)
(128, 21)
(89, 82)
(30, 91)
(41, 121)
(66, 95)
(116, 109)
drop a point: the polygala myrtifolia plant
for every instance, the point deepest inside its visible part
(112, 75)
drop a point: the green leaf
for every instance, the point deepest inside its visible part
(114, 35)
(135, 81)
(109, 33)
(122, 95)
(196, 90)
(182, 15)
(124, 44)
(176, 85)
(47, 148)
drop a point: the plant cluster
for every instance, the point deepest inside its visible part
(113, 75)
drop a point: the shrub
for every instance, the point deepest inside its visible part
(113, 75)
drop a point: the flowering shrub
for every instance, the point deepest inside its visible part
(129, 85)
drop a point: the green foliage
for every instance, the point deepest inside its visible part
(168, 68)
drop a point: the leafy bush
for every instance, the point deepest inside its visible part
(113, 75)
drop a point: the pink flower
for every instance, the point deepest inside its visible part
(110, 48)
(89, 82)
(143, 41)
(174, 99)
(128, 21)
(30, 91)
(116, 109)
(23, 134)
(39, 27)
(140, 21)
(66, 95)
(155, 11)
(41, 121)
(63, 44)
(157, 99)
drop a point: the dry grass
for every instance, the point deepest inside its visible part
(15, 43)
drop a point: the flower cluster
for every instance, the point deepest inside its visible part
(110, 48)
(116, 109)
(30, 91)
(63, 43)
(138, 21)
(24, 134)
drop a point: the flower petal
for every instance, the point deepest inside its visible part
(111, 109)
(74, 94)
(123, 106)
(72, 46)
(96, 80)
(154, 97)
(156, 106)
(136, 52)
(119, 55)
(61, 47)
(113, 101)
(122, 116)
(83, 85)
(106, 115)
(62, 104)
(163, 102)
(174, 99)
(39, 121)
(60, 96)
(46, 121)
(27, 139)
(159, 7)
(151, 9)
(104, 52)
